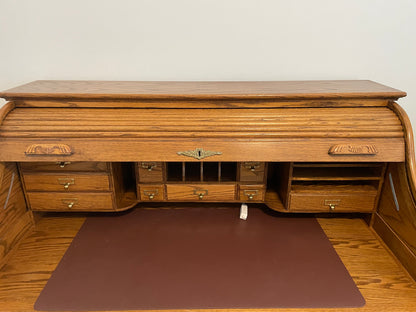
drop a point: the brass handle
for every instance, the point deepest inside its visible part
(62, 164)
(251, 193)
(150, 193)
(332, 203)
(70, 202)
(66, 182)
(201, 193)
(148, 166)
(252, 166)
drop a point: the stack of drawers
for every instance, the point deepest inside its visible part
(211, 182)
(252, 177)
(66, 186)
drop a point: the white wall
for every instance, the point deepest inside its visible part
(210, 40)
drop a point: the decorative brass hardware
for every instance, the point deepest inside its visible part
(150, 193)
(148, 165)
(62, 164)
(250, 193)
(201, 193)
(48, 150)
(66, 182)
(332, 203)
(199, 153)
(347, 149)
(70, 202)
(252, 166)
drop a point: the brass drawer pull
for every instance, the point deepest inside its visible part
(69, 202)
(150, 193)
(148, 165)
(201, 193)
(332, 203)
(66, 182)
(251, 193)
(62, 164)
(252, 166)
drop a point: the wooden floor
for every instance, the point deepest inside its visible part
(383, 283)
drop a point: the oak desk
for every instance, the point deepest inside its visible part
(305, 146)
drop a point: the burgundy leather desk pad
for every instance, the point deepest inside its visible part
(199, 258)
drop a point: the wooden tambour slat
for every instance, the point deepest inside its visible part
(283, 122)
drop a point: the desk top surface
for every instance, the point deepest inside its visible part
(241, 90)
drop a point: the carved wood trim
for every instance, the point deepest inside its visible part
(48, 149)
(352, 149)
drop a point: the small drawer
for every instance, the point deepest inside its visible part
(201, 192)
(252, 192)
(357, 199)
(252, 172)
(65, 166)
(150, 172)
(44, 201)
(66, 182)
(152, 192)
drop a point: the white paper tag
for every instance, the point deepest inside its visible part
(243, 212)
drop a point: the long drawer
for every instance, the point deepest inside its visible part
(203, 192)
(335, 199)
(61, 201)
(66, 182)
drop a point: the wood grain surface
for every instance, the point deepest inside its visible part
(384, 284)
(284, 122)
(202, 90)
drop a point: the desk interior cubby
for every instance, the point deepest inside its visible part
(207, 181)
(328, 187)
(201, 172)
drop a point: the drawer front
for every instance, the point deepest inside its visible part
(332, 202)
(152, 192)
(252, 172)
(67, 182)
(150, 172)
(201, 192)
(43, 201)
(81, 166)
(252, 192)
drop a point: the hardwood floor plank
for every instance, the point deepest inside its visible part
(382, 281)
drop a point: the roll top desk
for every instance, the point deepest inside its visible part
(297, 147)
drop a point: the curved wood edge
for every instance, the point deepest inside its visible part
(5, 110)
(410, 162)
